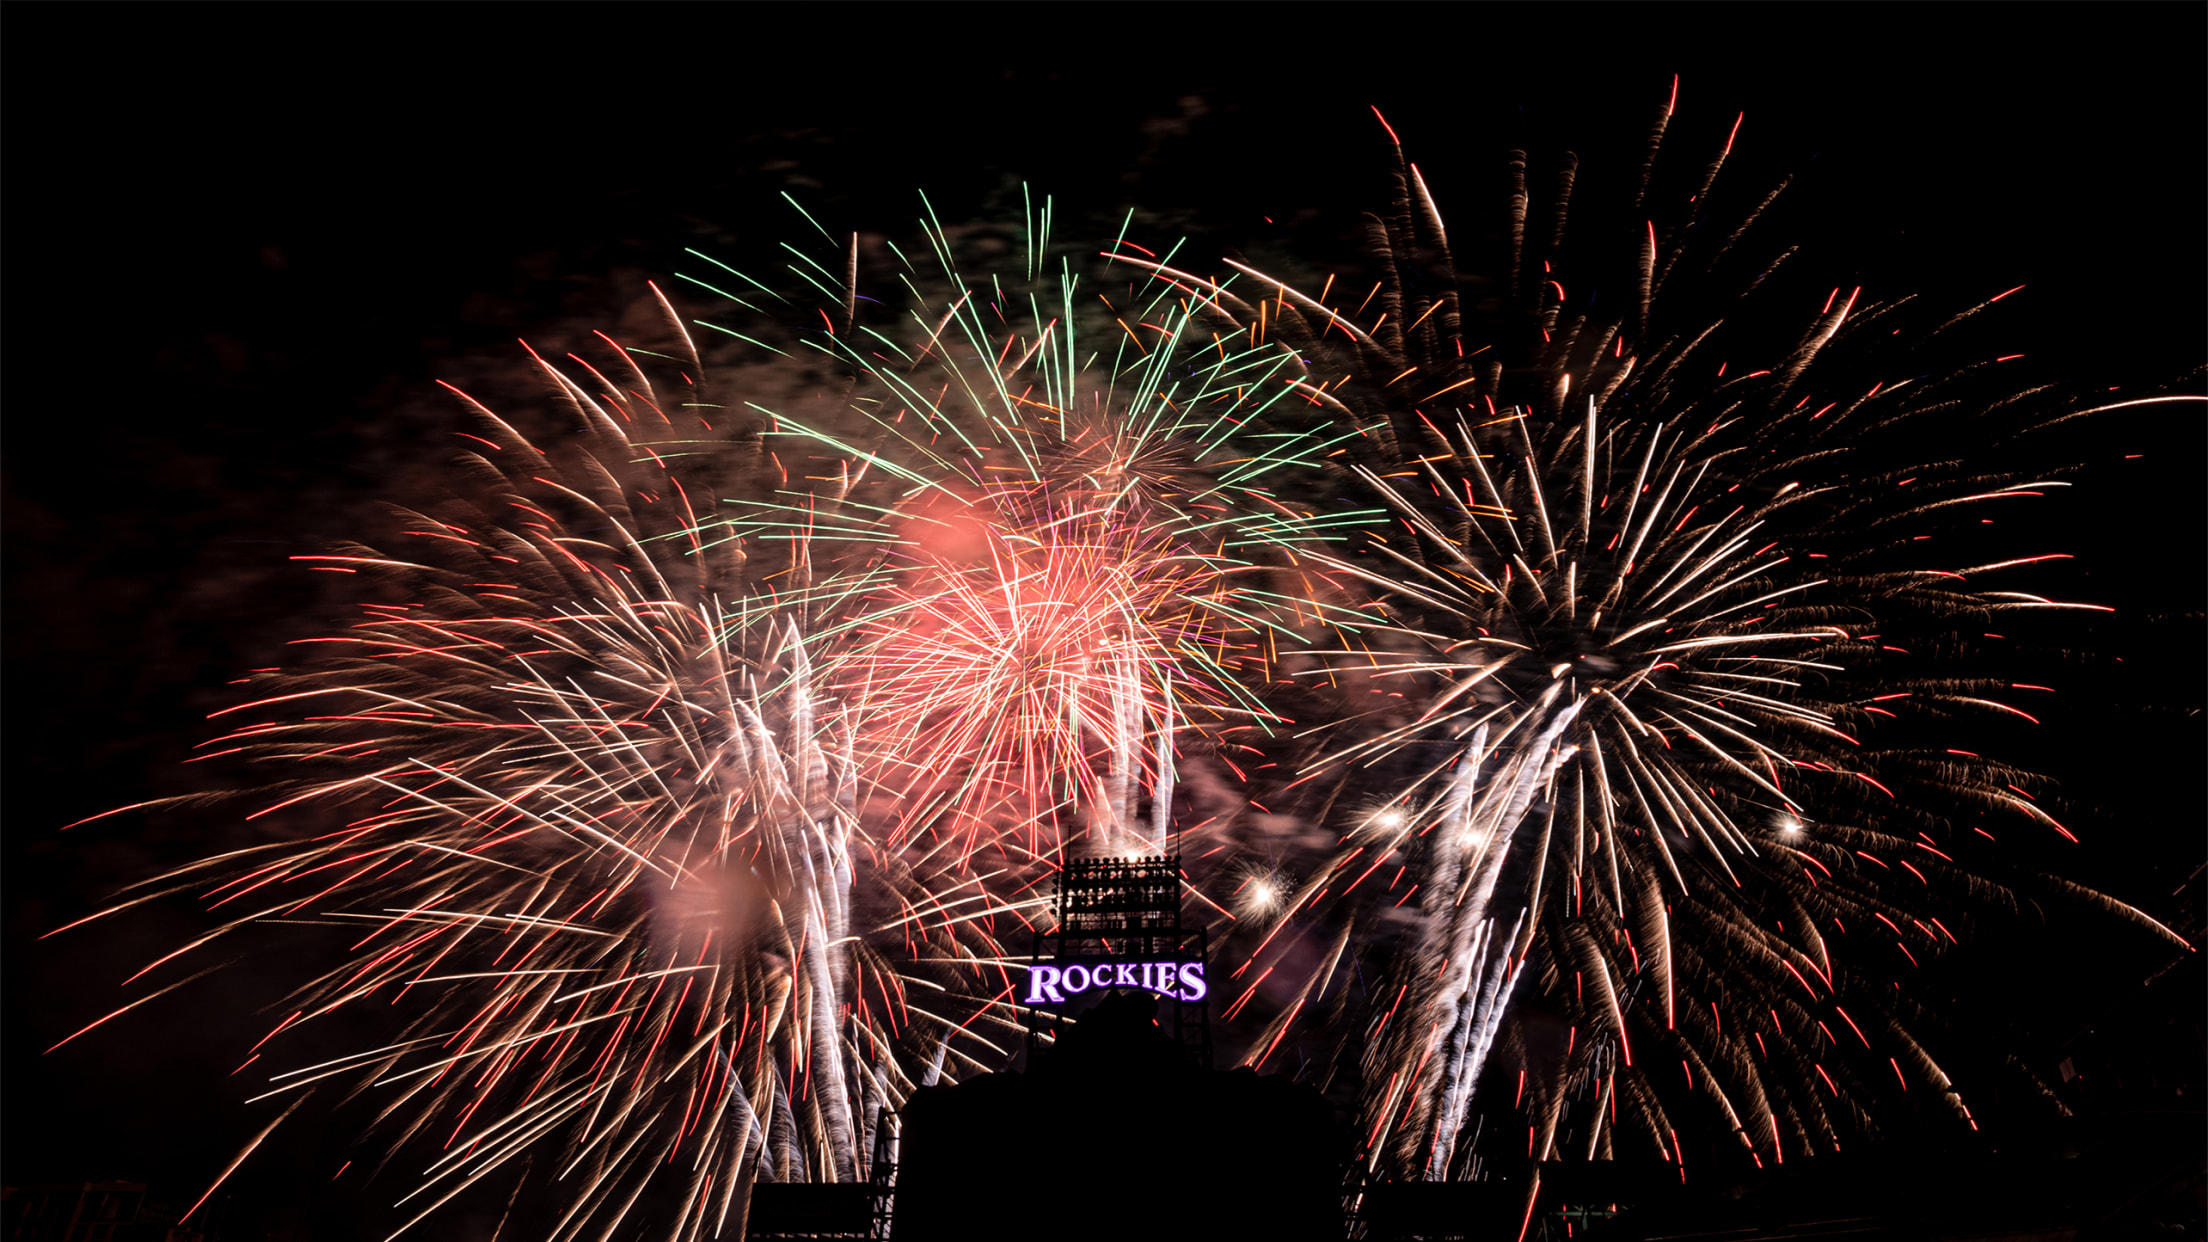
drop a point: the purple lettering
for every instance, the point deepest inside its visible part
(1053, 984)
(1042, 985)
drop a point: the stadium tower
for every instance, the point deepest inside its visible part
(1119, 915)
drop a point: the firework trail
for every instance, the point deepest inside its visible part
(1083, 565)
(579, 798)
(1647, 620)
(685, 830)
(686, 782)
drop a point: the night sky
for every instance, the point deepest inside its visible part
(244, 242)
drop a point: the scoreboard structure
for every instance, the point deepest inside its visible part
(1117, 925)
(1119, 1079)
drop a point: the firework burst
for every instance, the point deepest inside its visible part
(683, 831)
(1085, 558)
(589, 816)
(685, 784)
(1648, 621)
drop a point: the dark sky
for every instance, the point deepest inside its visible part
(243, 242)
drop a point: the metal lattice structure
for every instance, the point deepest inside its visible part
(830, 1211)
